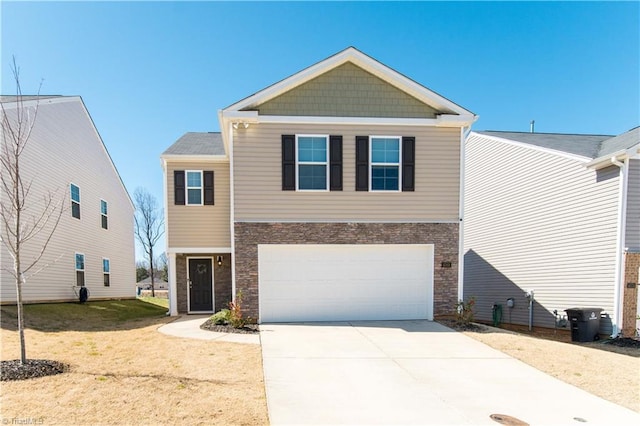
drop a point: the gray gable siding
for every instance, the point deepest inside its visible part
(632, 238)
(347, 91)
(536, 220)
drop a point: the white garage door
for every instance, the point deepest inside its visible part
(308, 282)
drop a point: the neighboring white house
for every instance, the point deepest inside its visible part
(93, 245)
(557, 214)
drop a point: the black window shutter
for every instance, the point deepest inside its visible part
(288, 162)
(178, 187)
(208, 187)
(335, 163)
(362, 163)
(408, 163)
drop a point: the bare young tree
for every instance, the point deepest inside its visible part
(149, 227)
(22, 216)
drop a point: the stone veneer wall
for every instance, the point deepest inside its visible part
(630, 295)
(221, 280)
(444, 236)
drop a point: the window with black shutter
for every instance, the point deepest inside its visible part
(408, 163)
(335, 163)
(208, 187)
(362, 163)
(288, 162)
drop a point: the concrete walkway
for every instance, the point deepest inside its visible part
(189, 326)
(412, 372)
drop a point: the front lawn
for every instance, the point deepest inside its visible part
(123, 371)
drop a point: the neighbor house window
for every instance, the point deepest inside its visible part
(80, 269)
(75, 201)
(194, 187)
(312, 160)
(105, 272)
(385, 154)
(103, 214)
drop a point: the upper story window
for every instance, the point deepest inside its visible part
(312, 153)
(311, 163)
(75, 200)
(80, 269)
(193, 187)
(106, 273)
(103, 214)
(385, 163)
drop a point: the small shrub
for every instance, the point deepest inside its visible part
(221, 317)
(464, 311)
(236, 318)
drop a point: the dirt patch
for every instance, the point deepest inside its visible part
(210, 325)
(601, 368)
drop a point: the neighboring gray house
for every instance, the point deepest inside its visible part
(557, 214)
(93, 245)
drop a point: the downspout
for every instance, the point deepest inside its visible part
(620, 241)
(464, 133)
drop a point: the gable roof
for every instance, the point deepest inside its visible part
(598, 148)
(582, 145)
(621, 142)
(449, 110)
(197, 144)
(25, 98)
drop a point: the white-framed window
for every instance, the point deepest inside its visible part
(103, 214)
(385, 153)
(106, 272)
(312, 159)
(193, 187)
(79, 258)
(74, 191)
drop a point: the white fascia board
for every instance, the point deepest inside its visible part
(576, 157)
(198, 250)
(195, 158)
(441, 121)
(363, 61)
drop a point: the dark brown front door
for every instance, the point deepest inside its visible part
(200, 285)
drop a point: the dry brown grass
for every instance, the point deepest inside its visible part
(592, 366)
(132, 374)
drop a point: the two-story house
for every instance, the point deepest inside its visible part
(333, 194)
(93, 245)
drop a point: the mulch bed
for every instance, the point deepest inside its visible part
(623, 342)
(15, 370)
(212, 326)
(478, 328)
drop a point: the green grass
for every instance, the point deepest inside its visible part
(156, 301)
(97, 315)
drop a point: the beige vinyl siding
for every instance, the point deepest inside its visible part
(632, 241)
(536, 220)
(200, 226)
(347, 91)
(64, 148)
(258, 178)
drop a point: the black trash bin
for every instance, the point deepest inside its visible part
(585, 324)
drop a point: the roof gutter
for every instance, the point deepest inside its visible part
(608, 160)
(620, 242)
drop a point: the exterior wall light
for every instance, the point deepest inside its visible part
(219, 260)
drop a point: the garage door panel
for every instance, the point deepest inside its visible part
(345, 282)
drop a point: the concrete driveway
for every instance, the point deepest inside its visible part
(411, 372)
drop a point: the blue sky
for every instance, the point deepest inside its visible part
(151, 71)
